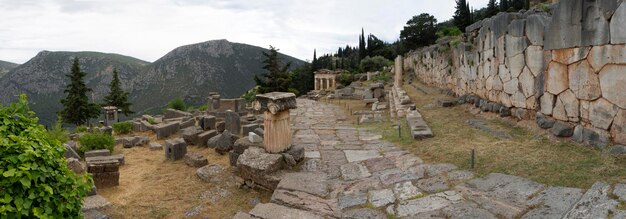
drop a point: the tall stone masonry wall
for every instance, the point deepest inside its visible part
(569, 65)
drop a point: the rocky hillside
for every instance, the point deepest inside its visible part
(189, 72)
(43, 78)
(192, 71)
(5, 67)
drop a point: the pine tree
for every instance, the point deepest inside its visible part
(504, 5)
(117, 97)
(362, 52)
(492, 8)
(462, 15)
(314, 62)
(76, 106)
(277, 78)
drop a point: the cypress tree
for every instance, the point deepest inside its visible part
(314, 63)
(76, 106)
(504, 5)
(277, 78)
(117, 97)
(362, 45)
(462, 16)
(492, 8)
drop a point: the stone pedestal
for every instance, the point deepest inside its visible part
(277, 129)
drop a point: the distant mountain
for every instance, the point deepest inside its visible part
(189, 72)
(192, 71)
(5, 67)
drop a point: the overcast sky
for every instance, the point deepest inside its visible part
(148, 29)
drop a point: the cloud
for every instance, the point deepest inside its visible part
(148, 29)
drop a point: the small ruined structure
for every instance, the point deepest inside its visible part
(110, 115)
(275, 106)
(326, 80)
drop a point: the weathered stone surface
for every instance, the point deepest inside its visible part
(527, 82)
(466, 210)
(596, 137)
(207, 122)
(535, 60)
(565, 29)
(515, 45)
(556, 78)
(595, 203)
(155, 146)
(433, 184)
(233, 122)
(618, 32)
(223, 142)
(71, 153)
(426, 204)
(118, 157)
(258, 166)
(518, 100)
(599, 56)
(271, 210)
(602, 112)
(297, 152)
(97, 153)
(439, 168)
(516, 28)
(547, 103)
(196, 160)
(380, 198)
(242, 144)
(353, 171)
(203, 138)
(618, 150)
(571, 55)
(405, 191)
(570, 104)
(305, 201)
(363, 213)
(620, 191)
(618, 129)
(175, 149)
(360, 155)
(504, 195)
(612, 82)
(165, 130)
(459, 176)
(95, 202)
(562, 129)
(535, 27)
(511, 86)
(75, 165)
(553, 202)
(516, 64)
(351, 200)
(190, 135)
(208, 173)
(595, 25)
(583, 81)
(544, 122)
(172, 113)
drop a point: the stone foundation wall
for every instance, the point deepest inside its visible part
(569, 65)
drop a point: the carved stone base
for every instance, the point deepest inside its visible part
(277, 132)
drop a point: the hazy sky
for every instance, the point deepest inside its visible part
(148, 29)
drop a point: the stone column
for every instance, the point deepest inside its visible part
(398, 71)
(315, 84)
(333, 84)
(323, 84)
(277, 131)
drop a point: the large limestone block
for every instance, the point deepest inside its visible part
(613, 84)
(601, 113)
(500, 50)
(516, 64)
(505, 99)
(569, 56)
(489, 83)
(565, 29)
(518, 100)
(618, 129)
(556, 78)
(527, 82)
(570, 104)
(595, 26)
(618, 32)
(607, 54)
(497, 84)
(535, 60)
(515, 45)
(504, 72)
(516, 27)
(512, 86)
(547, 103)
(583, 81)
(535, 28)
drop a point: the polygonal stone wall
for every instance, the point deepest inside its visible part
(570, 65)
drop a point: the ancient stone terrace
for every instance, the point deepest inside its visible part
(351, 173)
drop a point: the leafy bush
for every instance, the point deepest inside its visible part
(177, 104)
(122, 127)
(81, 128)
(203, 107)
(58, 133)
(152, 121)
(376, 63)
(250, 95)
(294, 91)
(36, 181)
(95, 141)
(345, 78)
(449, 31)
(381, 77)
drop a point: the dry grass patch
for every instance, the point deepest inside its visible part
(153, 187)
(530, 152)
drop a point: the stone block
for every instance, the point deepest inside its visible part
(97, 153)
(259, 167)
(204, 137)
(562, 129)
(187, 123)
(196, 160)
(138, 126)
(172, 113)
(583, 81)
(527, 82)
(381, 198)
(618, 129)
(190, 135)
(118, 157)
(565, 29)
(570, 55)
(175, 149)
(232, 158)
(595, 203)
(567, 107)
(601, 113)
(259, 132)
(535, 60)
(220, 126)
(617, 30)
(155, 146)
(612, 81)
(516, 64)
(544, 122)
(556, 78)
(547, 103)
(209, 173)
(70, 152)
(245, 129)
(599, 56)
(75, 165)
(167, 129)
(536, 25)
(207, 122)
(595, 25)
(297, 152)
(223, 142)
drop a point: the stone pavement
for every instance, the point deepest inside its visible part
(352, 173)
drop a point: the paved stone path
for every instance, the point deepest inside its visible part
(352, 173)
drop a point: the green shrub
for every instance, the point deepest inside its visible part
(95, 141)
(177, 104)
(203, 107)
(376, 63)
(449, 31)
(123, 127)
(152, 121)
(35, 180)
(81, 128)
(58, 133)
(294, 91)
(382, 77)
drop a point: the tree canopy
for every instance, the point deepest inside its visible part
(276, 77)
(421, 30)
(76, 106)
(117, 97)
